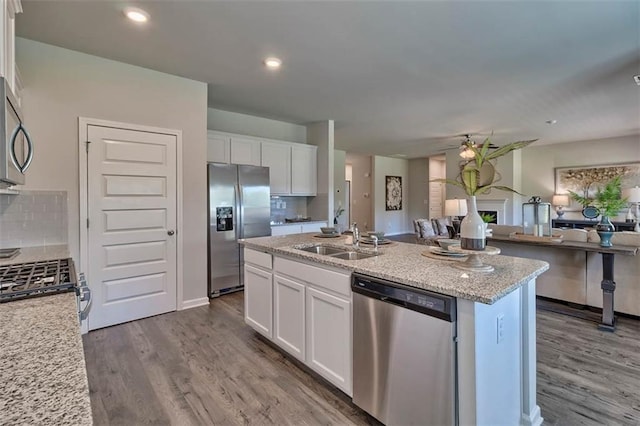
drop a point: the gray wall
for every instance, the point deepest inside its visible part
(393, 221)
(244, 124)
(361, 187)
(61, 85)
(418, 188)
(339, 161)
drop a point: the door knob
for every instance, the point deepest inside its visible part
(170, 232)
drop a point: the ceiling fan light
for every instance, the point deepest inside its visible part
(466, 153)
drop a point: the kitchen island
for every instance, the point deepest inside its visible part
(496, 352)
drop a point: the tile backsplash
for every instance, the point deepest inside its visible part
(287, 207)
(33, 218)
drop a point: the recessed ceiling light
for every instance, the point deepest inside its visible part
(551, 121)
(273, 63)
(136, 15)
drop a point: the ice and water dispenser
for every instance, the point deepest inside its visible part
(224, 219)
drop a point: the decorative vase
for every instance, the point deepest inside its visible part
(605, 230)
(472, 234)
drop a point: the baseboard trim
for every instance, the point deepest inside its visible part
(194, 303)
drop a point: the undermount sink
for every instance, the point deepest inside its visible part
(337, 252)
(353, 255)
(326, 250)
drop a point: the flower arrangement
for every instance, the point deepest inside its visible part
(607, 199)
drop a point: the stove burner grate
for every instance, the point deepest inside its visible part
(32, 279)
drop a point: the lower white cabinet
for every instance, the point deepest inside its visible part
(289, 316)
(304, 309)
(258, 299)
(329, 337)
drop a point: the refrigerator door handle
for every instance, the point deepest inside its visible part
(239, 221)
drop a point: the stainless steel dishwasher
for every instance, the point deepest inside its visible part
(404, 353)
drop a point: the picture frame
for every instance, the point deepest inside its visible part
(585, 180)
(393, 193)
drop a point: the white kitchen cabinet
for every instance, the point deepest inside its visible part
(277, 156)
(218, 148)
(304, 166)
(297, 228)
(258, 299)
(313, 227)
(245, 151)
(328, 329)
(8, 40)
(289, 316)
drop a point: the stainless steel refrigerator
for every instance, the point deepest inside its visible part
(239, 207)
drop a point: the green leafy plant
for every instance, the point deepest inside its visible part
(608, 199)
(478, 174)
(487, 217)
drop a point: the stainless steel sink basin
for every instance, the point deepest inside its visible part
(326, 250)
(353, 255)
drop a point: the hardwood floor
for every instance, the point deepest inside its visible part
(205, 366)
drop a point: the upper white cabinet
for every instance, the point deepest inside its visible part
(293, 168)
(304, 166)
(218, 148)
(277, 156)
(245, 151)
(8, 40)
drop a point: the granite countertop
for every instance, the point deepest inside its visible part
(43, 378)
(36, 254)
(404, 263)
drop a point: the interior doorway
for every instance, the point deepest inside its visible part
(437, 190)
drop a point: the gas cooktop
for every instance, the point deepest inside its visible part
(24, 280)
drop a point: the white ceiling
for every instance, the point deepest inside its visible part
(397, 77)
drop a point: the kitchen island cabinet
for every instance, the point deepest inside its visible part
(496, 347)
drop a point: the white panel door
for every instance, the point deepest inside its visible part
(289, 316)
(436, 200)
(131, 184)
(329, 337)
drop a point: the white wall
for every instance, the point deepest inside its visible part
(233, 122)
(393, 221)
(61, 85)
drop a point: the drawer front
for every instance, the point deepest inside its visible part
(258, 258)
(335, 281)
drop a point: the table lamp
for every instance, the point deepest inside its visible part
(560, 201)
(455, 209)
(633, 197)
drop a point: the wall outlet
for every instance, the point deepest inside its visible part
(500, 328)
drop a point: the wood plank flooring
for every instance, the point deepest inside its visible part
(205, 366)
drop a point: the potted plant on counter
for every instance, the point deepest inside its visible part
(477, 176)
(608, 200)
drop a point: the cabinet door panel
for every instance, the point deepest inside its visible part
(289, 329)
(218, 148)
(278, 158)
(304, 175)
(245, 151)
(329, 337)
(258, 300)
(285, 230)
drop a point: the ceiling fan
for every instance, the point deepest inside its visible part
(467, 142)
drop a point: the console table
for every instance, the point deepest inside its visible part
(607, 285)
(581, 224)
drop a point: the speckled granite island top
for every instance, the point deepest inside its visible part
(404, 263)
(43, 378)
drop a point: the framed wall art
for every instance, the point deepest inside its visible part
(393, 192)
(585, 180)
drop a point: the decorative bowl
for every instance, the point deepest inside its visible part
(445, 243)
(328, 230)
(379, 234)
